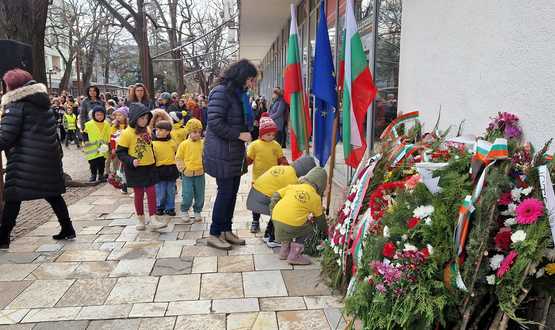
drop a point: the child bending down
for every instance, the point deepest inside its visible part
(263, 154)
(296, 209)
(189, 163)
(164, 152)
(136, 153)
(274, 179)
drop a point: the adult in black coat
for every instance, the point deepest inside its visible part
(92, 100)
(224, 147)
(33, 150)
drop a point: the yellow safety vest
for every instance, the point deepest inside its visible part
(70, 122)
(96, 140)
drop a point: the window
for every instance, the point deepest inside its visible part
(56, 66)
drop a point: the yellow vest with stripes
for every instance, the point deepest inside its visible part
(97, 138)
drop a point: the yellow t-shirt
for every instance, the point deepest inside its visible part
(115, 128)
(264, 155)
(164, 152)
(190, 153)
(297, 203)
(138, 147)
(276, 178)
(178, 133)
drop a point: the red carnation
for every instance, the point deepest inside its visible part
(425, 252)
(413, 222)
(503, 239)
(388, 250)
(505, 199)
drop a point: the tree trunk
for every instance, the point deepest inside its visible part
(64, 82)
(25, 21)
(141, 37)
(176, 55)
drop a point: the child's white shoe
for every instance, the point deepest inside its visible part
(187, 218)
(198, 217)
(142, 223)
(159, 222)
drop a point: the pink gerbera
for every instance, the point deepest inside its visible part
(506, 263)
(529, 211)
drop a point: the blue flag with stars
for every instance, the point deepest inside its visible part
(324, 91)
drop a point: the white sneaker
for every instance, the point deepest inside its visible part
(273, 244)
(198, 217)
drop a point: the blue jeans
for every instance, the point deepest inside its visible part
(224, 206)
(165, 195)
(192, 187)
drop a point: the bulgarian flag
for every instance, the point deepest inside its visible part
(358, 91)
(294, 93)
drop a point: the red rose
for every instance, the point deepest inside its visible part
(388, 250)
(413, 222)
(425, 252)
(503, 239)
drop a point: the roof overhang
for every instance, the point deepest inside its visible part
(260, 23)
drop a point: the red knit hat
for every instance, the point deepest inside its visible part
(267, 125)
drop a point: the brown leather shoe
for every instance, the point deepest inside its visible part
(232, 238)
(218, 243)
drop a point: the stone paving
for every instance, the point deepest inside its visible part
(113, 277)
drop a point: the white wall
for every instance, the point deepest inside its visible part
(478, 57)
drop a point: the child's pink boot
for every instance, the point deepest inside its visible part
(284, 250)
(296, 256)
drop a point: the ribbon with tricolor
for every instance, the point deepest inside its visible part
(390, 132)
(402, 151)
(486, 154)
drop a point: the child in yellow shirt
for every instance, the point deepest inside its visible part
(263, 154)
(189, 162)
(295, 211)
(96, 135)
(164, 153)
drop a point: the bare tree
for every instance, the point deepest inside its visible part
(134, 20)
(25, 21)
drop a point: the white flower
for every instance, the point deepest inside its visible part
(550, 254)
(495, 261)
(540, 272)
(422, 212)
(404, 237)
(511, 210)
(518, 236)
(336, 249)
(430, 249)
(515, 194)
(386, 231)
(490, 279)
(428, 221)
(510, 222)
(410, 247)
(343, 230)
(527, 191)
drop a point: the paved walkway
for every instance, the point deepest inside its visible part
(113, 277)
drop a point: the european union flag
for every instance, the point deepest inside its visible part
(324, 91)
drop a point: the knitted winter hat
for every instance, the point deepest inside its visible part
(166, 96)
(303, 165)
(193, 125)
(267, 125)
(123, 110)
(318, 178)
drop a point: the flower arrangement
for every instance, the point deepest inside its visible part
(414, 266)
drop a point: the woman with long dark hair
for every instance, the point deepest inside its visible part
(230, 120)
(28, 136)
(139, 94)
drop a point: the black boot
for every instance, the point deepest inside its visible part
(4, 239)
(92, 178)
(255, 225)
(67, 231)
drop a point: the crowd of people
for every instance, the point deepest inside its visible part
(150, 145)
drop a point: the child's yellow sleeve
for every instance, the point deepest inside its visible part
(180, 155)
(124, 140)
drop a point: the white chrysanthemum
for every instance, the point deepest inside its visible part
(490, 279)
(511, 210)
(515, 194)
(428, 221)
(527, 191)
(430, 249)
(336, 249)
(540, 272)
(550, 254)
(495, 261)
(422, 211)
(518, 236)
(404, 237)
(386, 231)
(409, 247)
(510, 222)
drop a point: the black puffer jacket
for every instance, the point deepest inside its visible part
(28, 136)
(224, 153)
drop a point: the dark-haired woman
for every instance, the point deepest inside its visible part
(230, 120)
(28, 136)
(92, 100)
